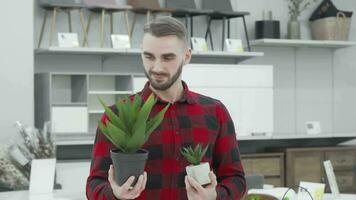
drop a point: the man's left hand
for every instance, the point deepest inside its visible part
(197, 192)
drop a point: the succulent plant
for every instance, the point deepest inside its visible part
(296, 7)
(194, 156)
(130, 128)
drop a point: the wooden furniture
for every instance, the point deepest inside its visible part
(105, 7)
(306, 164)
(186, 9)
(270, 165)
(147, 7)
(56, 6)
(223, 11)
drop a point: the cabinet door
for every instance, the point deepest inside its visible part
(304, 166)
(250, 108)
(341, 159)
(198, 75)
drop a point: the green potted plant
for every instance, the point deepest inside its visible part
(197, 170)
(296, 7)
(128, 131)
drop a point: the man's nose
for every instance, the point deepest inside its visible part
(157, 66)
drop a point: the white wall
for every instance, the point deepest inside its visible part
(17, 65)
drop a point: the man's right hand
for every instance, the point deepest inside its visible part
(126, 191)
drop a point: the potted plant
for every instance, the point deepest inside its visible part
(199, 171)
(128, 131)
(296, 7)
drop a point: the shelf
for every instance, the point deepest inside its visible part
(302, 43)
(96, 111)
(137, 52)
(70, 104)
(110, 92)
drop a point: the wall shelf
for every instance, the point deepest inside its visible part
(137, 52)
(111, 92)
(302, 43)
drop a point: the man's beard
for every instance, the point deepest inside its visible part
(168, 84)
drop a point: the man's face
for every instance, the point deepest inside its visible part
(163, 59)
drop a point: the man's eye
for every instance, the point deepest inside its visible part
(149, 57)
(169, 58)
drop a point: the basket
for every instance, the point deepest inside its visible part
(331, 28)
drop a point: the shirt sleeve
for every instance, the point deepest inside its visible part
(226, 159)
(98, 186)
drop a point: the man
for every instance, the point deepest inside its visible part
(191, 119)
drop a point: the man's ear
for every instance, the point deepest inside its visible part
(187, 56)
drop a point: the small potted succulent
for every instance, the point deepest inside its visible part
(197, 170)
(128, 131)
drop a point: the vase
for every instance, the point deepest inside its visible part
(294, 28)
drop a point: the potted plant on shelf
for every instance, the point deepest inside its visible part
(128, 131)
(296, 7)
(199, 171)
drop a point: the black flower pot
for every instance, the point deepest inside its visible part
(126, 165)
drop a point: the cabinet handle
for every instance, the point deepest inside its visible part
(258, 134)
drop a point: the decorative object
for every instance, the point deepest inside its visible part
(296, 7)
(329, 23)
(199, 171)
(128, 131)
(199, 44)
(16, 157)
(267, 28)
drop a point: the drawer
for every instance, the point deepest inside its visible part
(346, 181)
(275, 181)
(247, 164)
(341, 159)
(262, 166)
(267, 166)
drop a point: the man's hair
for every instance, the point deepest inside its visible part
(165, 26)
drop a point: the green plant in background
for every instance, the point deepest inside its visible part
(296, 7)
(194, 156)
(129, 130)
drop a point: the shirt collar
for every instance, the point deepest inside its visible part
(188, 96)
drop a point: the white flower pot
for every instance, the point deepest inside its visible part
(199, 172)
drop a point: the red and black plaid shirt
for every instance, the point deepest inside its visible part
(194, 119)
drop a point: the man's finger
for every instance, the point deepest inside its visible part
(111, 176)
(127, 184)
(137, 187)
(212, 176)
(143, 186)
(195, 184)
(187, 184)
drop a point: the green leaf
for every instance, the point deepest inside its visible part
(113, 117)
(203, 153)
(120, 105)
(118, 135)
(144, 113)
(136, 105)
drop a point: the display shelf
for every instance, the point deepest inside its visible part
(302, 43)
(137, 52)
(111, 92)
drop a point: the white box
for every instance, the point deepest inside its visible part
(68, 40)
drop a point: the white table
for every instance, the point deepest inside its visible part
(342, 197)
(58, 194)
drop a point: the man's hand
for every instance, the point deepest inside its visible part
(196, 192)
(126, 191)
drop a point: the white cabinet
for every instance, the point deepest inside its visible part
(71, 100)
(246, 91)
